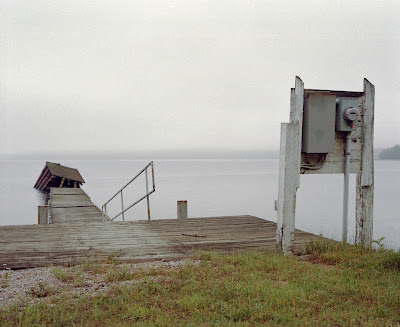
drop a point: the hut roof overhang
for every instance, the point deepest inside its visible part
(52, 171)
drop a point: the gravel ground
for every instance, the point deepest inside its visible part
(26, 286)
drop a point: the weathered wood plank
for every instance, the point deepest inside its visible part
(73, 214)
(136, 241)
(69, 200)
(63, 191)
(365, 180)
(336, 167)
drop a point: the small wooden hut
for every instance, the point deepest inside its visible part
(56, 175)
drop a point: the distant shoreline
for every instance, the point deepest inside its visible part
(156, 155)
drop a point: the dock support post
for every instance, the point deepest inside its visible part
(365, 180)
(42, 215)
(182, 210)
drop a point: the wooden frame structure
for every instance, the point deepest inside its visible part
(292, 159)
(56, 175)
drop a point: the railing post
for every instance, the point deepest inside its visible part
(105, 213)
(147, 192)
(152, 176)
(122, 206)
(182, 210)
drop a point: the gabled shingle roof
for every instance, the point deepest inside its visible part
(64, 172)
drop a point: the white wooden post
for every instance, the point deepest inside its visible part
(287, 187)
(182, 210)
(365, 180)
(296, 116)
(289, 170)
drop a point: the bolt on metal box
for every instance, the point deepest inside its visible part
(319, 123)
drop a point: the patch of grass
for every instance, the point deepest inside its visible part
(41, 290)
(61, 274)
(93, 265)
(116, 273)
(348, 286)
(353, 256)
(206, 255)
(4, 276)
(4, 280)
(105, 267)
(67, 275)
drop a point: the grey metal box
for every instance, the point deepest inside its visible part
(319, 123)
(341, 123)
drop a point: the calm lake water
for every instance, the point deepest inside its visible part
(212, 188)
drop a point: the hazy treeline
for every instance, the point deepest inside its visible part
(392, 153)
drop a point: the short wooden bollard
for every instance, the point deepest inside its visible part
(42, 214)
(182, 210)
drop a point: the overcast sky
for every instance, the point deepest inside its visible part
(158, 75)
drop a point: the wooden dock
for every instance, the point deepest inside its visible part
(136, 241)
(69, 205)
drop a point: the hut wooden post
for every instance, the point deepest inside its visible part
(365, 180)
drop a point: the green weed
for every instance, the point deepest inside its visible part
(93, 265)
(355, 256)
(116, 273)
(4, 280)
(68, 275)
(341, 286)
(41, 290)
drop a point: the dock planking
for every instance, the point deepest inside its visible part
(72, 205)
(136, 241)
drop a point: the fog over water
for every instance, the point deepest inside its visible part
(104, 76)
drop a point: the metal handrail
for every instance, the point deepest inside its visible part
(104, 207)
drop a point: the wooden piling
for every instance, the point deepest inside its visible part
(182, 209)
(42, 215)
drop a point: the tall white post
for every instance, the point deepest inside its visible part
(289, 169)
(365, 180)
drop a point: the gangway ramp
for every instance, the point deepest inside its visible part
(69, 205)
